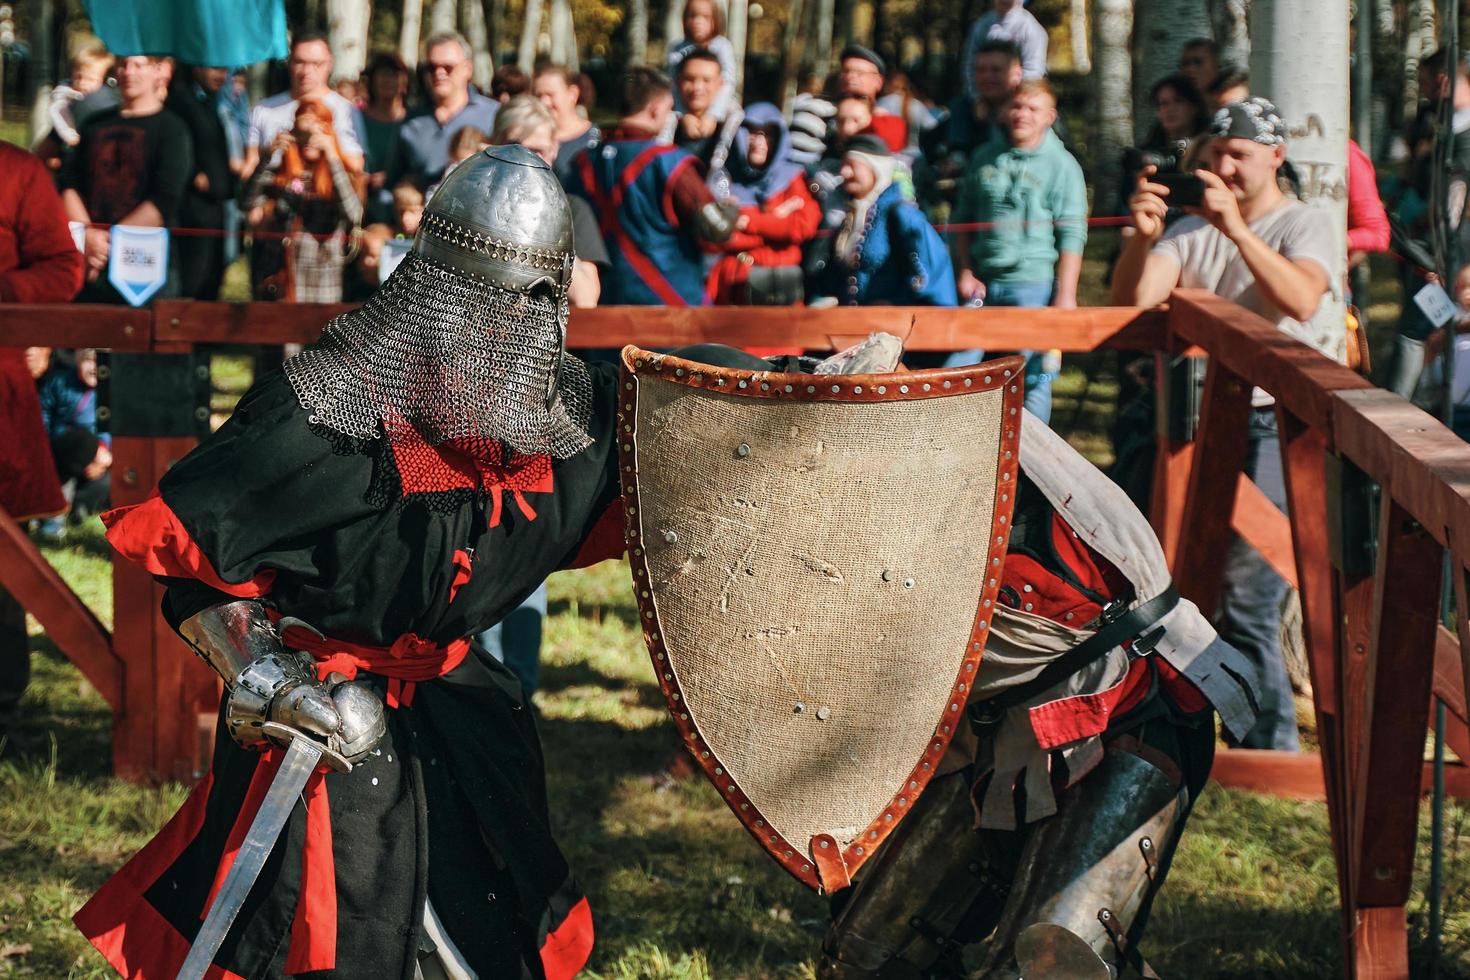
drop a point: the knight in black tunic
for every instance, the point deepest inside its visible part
(399, 486)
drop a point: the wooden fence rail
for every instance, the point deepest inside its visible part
(1369, 597)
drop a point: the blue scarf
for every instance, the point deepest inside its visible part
(753, 186)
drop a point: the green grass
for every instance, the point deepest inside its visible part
(678, 889)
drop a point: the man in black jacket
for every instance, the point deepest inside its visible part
(193, 97)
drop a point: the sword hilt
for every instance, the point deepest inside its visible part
(285, 735)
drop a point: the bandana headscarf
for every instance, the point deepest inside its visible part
(1250, 119)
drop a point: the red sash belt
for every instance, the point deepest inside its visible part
(314, 926)
(408, 661)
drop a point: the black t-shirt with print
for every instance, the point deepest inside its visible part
(123, 161)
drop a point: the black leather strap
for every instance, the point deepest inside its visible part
(1135, 624)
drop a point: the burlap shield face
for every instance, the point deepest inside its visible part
(816, 559)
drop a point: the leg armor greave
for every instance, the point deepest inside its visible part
(901, 917)
(1085, 873)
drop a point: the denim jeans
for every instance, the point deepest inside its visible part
(1038, 382)
(516, 640)
(1249, 615)
(1408, 365)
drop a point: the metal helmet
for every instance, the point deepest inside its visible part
(467, 337)
(501, 216)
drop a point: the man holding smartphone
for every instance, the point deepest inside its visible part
(1246, 242)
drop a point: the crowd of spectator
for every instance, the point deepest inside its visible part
(863, 192)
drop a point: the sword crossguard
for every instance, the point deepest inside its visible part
(285, 735)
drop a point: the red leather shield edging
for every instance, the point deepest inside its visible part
(1004, 374)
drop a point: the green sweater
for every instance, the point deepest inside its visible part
(1037, 200)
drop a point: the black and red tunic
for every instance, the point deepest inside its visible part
(396, 551)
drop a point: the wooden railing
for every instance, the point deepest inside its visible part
(1376, 651)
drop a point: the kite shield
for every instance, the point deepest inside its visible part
(816, 558)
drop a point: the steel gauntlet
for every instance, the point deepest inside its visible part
(265, 682)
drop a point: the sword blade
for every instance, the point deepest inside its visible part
(300, 762)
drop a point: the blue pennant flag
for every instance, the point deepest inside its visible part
(137, 262)
(220, 33)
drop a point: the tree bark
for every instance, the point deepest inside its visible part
(530, 34)
(443, 16)
(472, 17)
(737, 24)
(1312, 97)
(43, 54)
(494, 13)
(563, 39)
(1162, 27)
(347, 36)
(673, 25)
(791, 54)
(1231, 20)
(1419, 41)
(822, 55)
(1112, 71)
(408, 32)
(1080, 60)
(637, 32)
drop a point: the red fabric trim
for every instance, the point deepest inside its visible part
(151, 535)
(462, 571)
(567, 947)
(667, 204)
(1180, 688)
(1065, 720)
(409, 660)
(605, 541)
(314, 926)
(120, 922)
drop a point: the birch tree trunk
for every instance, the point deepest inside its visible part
(494, 25)
(1112, 72)
(1080, 60)
(822, 38)
(43, 77)
(530, 34)
(1231, 20)
(637, 32)
(472, 17)
(673, 25)
(736, 24)
(1162, 27)
(1419, 42)
(347, 36)
(563, 45)
(791, 54)
(1312, 96)
(443, 16)
(408, 32)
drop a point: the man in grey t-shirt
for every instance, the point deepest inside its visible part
(1250, 244)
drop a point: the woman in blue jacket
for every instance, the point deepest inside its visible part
(886, 253)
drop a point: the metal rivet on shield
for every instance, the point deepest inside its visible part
(742, 450)
(799, 707)
(744, 384)
(822, 844)
(823, 713)
(671, 537)
(908, 583)
(887, 575)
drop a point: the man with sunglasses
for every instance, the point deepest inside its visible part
(423, 153)
(310, 64)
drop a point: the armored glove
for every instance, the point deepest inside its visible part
(265, 682)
